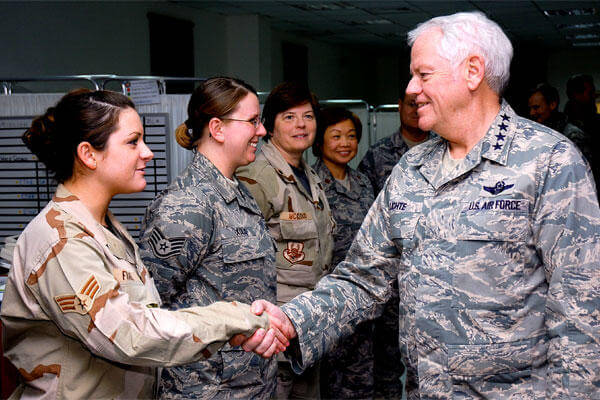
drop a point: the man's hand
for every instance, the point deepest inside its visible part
(277, 318)
(273, 341)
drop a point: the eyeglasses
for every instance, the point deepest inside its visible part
(256, 121)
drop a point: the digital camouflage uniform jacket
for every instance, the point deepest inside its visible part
(349, 207)
(347, 371)
(497, 267)
(382, 157)
(81, 317)
(301, 224)
(204, 240)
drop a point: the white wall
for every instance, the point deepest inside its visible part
(49, 38)
(340, 71)
(92, 37)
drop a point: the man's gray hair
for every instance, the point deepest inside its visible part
(468, 33)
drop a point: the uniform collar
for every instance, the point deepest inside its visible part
(284, 170)
(398, 141)
(330, 182)
(226, 189)
(494, 146)
(205, 168)
(71, 204)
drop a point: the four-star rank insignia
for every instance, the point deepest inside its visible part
(163, 247)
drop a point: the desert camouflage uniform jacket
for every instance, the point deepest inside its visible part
(497, 266)
(81, 317)
(204, 240)
(301, 224)
(382, 157)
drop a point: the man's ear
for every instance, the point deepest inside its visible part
(87, 155)
(474, 71)
(215, 129)
(553, 105)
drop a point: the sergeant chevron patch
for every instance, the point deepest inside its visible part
(163, 247)
(81, 302)
(70, 303)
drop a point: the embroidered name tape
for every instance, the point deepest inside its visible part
(510, 205)
(294, 216)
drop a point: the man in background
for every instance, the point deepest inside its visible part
(381, 158)
(543, 108)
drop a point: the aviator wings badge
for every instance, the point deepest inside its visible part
(499, 187)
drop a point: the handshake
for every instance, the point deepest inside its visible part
(275, 340)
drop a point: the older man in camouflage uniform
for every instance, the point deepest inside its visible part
(204, 240)
(492, 231)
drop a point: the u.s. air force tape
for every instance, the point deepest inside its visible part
(163, 247)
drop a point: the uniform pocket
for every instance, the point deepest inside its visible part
(402, 229)
(403, 225)
(497, 368)
(301, 229)
(241, 369)
(135, 289)
(240, 249)
(505, 220)
(404, 215)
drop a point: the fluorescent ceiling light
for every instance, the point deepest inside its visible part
(583, 36)
(325, 6)
(579, 26)
(571, 12)
(380, 21)
(586, 44)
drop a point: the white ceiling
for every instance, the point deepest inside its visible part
(551, 24)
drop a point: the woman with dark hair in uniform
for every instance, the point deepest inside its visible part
(291, 198)
(346, 371)
(80, 313)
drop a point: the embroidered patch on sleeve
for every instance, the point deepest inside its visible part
(70, 303)
(88, 292)
(163, 247)
(82, 301)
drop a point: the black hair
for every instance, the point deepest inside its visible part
(549, 92)
(331, 116)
